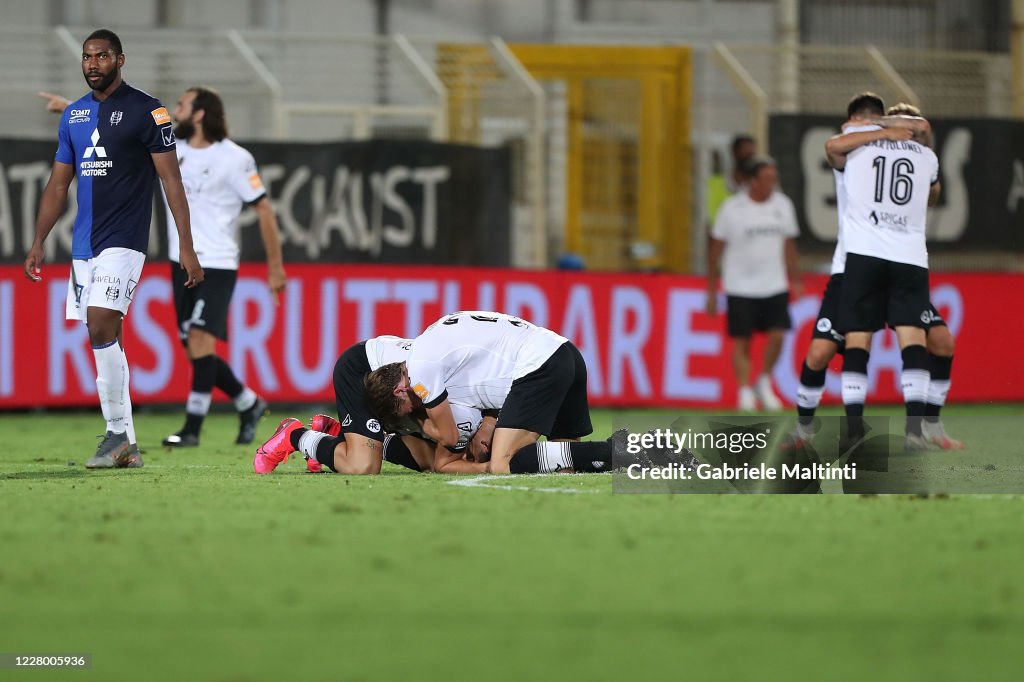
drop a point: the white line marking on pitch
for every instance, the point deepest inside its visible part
(481, 482)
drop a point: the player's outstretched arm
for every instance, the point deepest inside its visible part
(796, 285)
(55, 103)
(448, 462)
(51, 206)
(166, 165)
(919, 125)
(839, 146)
(271, 236)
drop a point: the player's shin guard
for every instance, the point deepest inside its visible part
(855, 389)
(204, 373)
(914, 380)
(397, 452)
(940, 370)
(808, 397)
(111, 384)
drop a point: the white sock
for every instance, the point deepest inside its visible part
(111, 384)
(809, 397)
(938, 389)
(552, 457)
(915, 385)
(245, 399)
(198, 403)
(308, 442)
(129, 420)
(855, 388)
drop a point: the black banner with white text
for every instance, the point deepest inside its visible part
(981, 167)
(386, 201)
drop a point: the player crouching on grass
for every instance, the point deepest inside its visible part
(358, 444)
(492, 361)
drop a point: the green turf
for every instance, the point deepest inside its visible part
(193, 568)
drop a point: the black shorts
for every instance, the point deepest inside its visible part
(877, 292)
(827, 325)
(551, 400)
(747, 315)
(934, 319)
(205, 305)
(349, 372)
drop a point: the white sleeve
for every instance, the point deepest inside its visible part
(790, 227)
(426, 377)
(720, 230)
(245, 177)
(935, 171)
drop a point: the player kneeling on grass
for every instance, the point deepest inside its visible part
(492, 361)
(358, 444)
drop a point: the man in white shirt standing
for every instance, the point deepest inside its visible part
(220, 178)
(754, 236)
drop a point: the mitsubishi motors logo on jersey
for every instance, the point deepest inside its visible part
(100, 152)
(94, 168)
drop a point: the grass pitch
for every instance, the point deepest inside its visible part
(194, 568)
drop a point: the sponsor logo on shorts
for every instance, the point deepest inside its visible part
(373, 425)
(129, 291)
(824, 325)
(160, 116)
(421, 391)
(347, 421)
(106, 279)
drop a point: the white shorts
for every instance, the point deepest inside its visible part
(107, 280)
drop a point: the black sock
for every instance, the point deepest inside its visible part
(325, 451)
(397, 452)
(295, 436)
(941, 369)
(585, 453)
(582, 456)
(855, 388)
(226, 379)
(915, 378)
(812, 384)
(525, 460)
(204, 370)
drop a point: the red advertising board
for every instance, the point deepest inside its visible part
(646, 338)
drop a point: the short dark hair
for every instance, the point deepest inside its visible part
(109, 36)
(379, 391)
(215, 123)
(740, 139)
(865, 103)
(756, 163)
